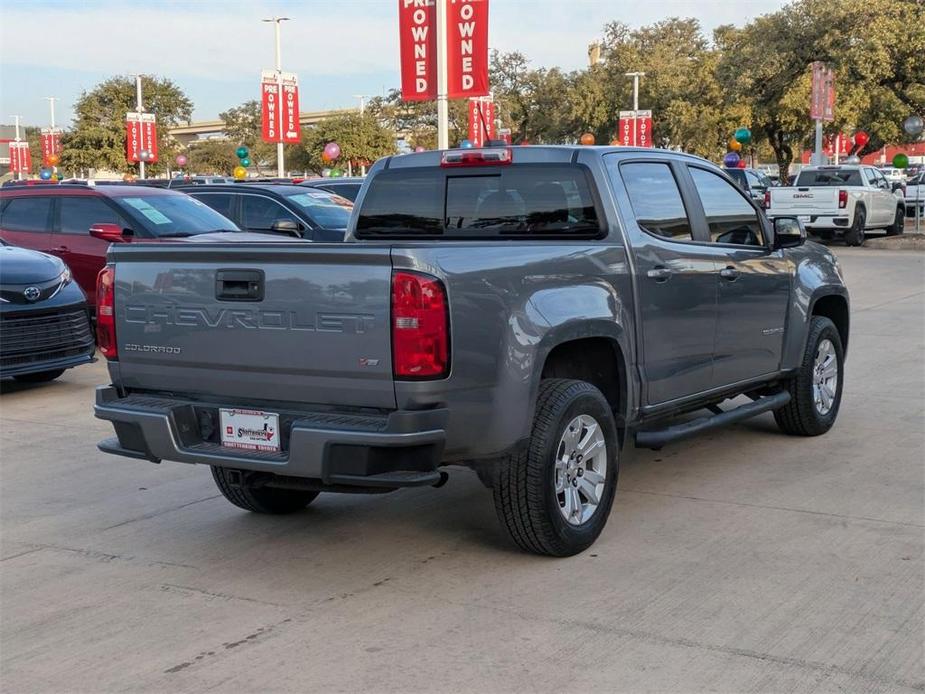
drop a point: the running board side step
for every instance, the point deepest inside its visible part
(657, 438)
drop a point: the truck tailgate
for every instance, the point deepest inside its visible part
(822, 200)
(301, 323)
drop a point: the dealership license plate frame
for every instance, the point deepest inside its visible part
(249, 430)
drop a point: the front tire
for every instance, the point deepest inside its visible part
(40, 376)
(815, 390)
(855, 235)
(554, 496)
(899, 223)
(262, 499)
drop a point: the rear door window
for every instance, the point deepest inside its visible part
(732, 220)
(32, 213)
(78, 214)
(262, 212)
(656, 200)
(529, 200)
(223, 203)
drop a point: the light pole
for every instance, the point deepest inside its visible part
(635, 76)
(280, 166)
(51, 107)
(443, 107)
(139, 108)
(362, 98)
(16, 139)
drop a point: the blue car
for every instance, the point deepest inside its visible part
(44, 321)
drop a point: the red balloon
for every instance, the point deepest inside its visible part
(741, 164)
(861, 138)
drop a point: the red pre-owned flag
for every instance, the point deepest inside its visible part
(290, 107)
(467, 48)
(269, 98)
(418, 41)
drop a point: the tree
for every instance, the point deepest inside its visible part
(417, 120)
(243, 125)
(361, 137)
(97, 139)
(212, 157)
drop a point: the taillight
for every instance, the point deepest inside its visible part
(106, 312)
(842, 199)
(490, 156)
(420, 328)
(767, 199)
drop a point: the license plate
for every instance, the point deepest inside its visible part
(250, 429)
(804, 217)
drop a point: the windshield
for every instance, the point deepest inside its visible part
(174, 215)
(850, 177)
(327, 210)
(528, 200)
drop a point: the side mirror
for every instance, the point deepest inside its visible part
(897, 185)
(287, 226)
(788, 232)
(111, 233)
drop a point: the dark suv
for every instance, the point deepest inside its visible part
(57, 219)
(278, 208)
(755, 183)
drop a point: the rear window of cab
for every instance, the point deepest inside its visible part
(531, 200)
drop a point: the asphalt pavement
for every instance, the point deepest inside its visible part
(744, 560)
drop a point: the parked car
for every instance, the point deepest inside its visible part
(273, 208)
(754, 182)
(58, 220)
(892, 174)
(524, 311)
(844, 201)
(44, 321)
(915, 193)
(204, 180)
(345, 187)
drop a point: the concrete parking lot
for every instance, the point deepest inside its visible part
(744, 560)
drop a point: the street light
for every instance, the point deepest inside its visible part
(635, 76)
(280, 167)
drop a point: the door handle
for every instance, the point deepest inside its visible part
(239, 285)
(60, 249)
(659, 274)
(729, 273)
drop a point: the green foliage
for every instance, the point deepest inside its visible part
(243, 127)
(211, 157)
(97, 139)
(362, 139)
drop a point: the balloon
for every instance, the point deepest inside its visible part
(465, 144)
(181, 160)
(53, 159)
(326, 172)
(144, 155)
(245, 161)
(734, 145)
(853, 159)
(45, 174)
(332, 150)
(914, 125)
(731, 160)
(861, 138)
(419, 149)
(743, 136)
(742, 164)
(241, 152)
(336, 173)
(587, 139)
(901, 161)
(240, 173)
(615, 142)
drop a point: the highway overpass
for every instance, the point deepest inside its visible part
(196, 130)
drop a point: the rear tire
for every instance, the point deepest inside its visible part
(899, 222)
(855, 235)
(262, 499)
(543, 495)
(814, 402)
(40, 376)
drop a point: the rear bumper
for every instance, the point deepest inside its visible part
(399, 449)
(817, 221)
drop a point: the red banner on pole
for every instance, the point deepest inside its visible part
(627, 125)
(51, 143)
(269, 98)
(20, 158)
(467, 48)
(822, 102)
(133, 137)
(481, 121)
(149, 136)
(644, 129)
(417, 21)
(290, 107)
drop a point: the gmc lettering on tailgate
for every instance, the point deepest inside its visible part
(248, 319)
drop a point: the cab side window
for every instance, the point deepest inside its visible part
(730, 218)
(261, 212)
(656, 200)
(28, 213)
(79, 213)
(223, 203)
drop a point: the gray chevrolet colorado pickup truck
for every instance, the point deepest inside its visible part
(529, 312)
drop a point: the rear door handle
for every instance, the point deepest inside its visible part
(659, 274)
(729, 273)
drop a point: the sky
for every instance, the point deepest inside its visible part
(214, 50)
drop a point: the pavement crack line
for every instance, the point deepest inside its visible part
(155, 514)
(34, 549)
(97, 555)
(775, 508)
(887, 303)
(173, 588)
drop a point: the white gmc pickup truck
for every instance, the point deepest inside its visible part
(840, 200)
